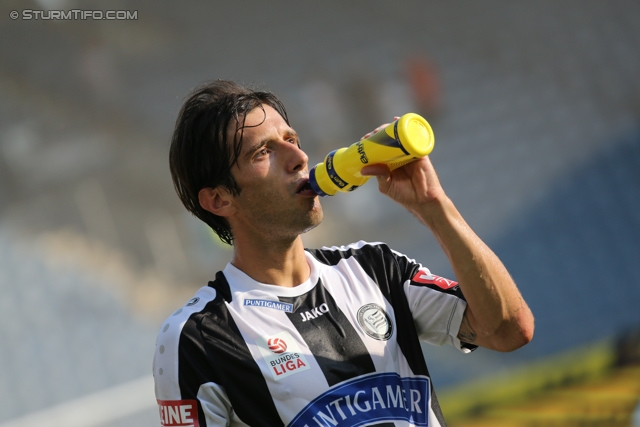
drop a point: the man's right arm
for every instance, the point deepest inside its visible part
(496, 316)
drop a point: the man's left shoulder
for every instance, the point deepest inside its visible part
(357, 249)
(376, 259)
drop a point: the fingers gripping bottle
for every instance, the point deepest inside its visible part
(401, 142)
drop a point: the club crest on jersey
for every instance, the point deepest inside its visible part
(282, 355)
(375, 322)
(425, 277)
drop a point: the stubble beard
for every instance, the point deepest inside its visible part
(286, 225)
(315, 218)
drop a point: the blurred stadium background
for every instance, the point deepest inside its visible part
(536, 112)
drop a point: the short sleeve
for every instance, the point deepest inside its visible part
(437, 305)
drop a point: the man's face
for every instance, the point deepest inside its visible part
(275, 199)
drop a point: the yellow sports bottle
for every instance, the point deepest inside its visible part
(401, 142)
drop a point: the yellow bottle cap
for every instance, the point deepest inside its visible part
(415, 134)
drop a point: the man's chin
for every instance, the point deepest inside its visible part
(315, 218)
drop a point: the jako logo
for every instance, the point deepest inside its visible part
(277, 345)
(315, 312)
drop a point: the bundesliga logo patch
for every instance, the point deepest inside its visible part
(282, 355)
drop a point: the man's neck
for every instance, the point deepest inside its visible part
(282, 264)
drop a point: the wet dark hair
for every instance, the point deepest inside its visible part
(201, 154)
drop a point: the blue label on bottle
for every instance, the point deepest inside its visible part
(333, 175)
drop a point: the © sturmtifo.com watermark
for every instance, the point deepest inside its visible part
(74, 15)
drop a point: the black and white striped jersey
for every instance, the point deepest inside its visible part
(341, 349)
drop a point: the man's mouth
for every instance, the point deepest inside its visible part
(304, 188)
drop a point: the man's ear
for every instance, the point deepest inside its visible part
(217, 200)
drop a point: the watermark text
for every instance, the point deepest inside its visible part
(74, 15)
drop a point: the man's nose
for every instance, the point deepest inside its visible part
(296, 158)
